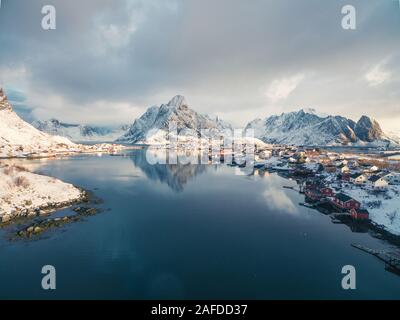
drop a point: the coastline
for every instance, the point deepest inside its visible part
(30, 195)
(24, 194)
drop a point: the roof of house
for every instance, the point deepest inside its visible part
(390, 174)
(356, 175)
(343, 197)
(362, 211)
(374, 178)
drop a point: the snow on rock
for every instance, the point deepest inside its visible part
(307, 127)
(79, 132)
(153, 126)
(23, 193)
(20, 139)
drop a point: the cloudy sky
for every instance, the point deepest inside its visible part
(108, 60)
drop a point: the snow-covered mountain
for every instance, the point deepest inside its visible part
(153, 126)
(307, 127)
(18, 138)
(78, 132)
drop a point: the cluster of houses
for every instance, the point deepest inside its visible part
(320, 169)
(318, 192)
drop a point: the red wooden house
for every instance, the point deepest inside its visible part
(346, 176)
(317, 193)
(345, 202)
(359, 214)
(313, 194)
(327, 192)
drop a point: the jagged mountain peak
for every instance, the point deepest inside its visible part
(4, 104)
(154, 124)
(367, 121)
(304, 112)
(368, 129)
(314, 112)
(178, 101)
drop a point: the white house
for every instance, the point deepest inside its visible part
(377, 182)
(358, 178)
(353, 164)
(374, 169)
(266, 154)
(341, 163)
(392, 178)
(344, 169)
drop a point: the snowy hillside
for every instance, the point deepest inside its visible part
(23, 193)
(78, 132)
(20, 139)
(307, 127)
(152, 127)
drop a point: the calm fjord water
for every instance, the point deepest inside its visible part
(192, 232)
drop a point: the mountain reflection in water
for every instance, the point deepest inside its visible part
(176, 176)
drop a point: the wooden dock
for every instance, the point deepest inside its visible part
(390, 260)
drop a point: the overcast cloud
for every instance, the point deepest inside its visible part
(108, 60)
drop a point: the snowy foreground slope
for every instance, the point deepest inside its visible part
(307, 127)
(79, 132)
(23, 193)
(153, 126)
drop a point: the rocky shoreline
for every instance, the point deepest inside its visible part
(44, 210)
(39, 227)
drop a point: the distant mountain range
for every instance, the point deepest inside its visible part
(79, 132)
(307, 127)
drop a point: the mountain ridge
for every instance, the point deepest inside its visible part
(308, 128)
(153, 126)
(303, 127)
(80, 132)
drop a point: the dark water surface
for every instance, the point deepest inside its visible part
(192, 232)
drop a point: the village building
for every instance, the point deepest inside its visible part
(377, 183)
(345, 202)
(318, 192)
(330, 168)
(266, 154)
(358, 178)
(340, 164)
(327, 192)
(374, 169)
(359, 214)
(354, 164)
(392, 178)
(344, 168)
(345, 176)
